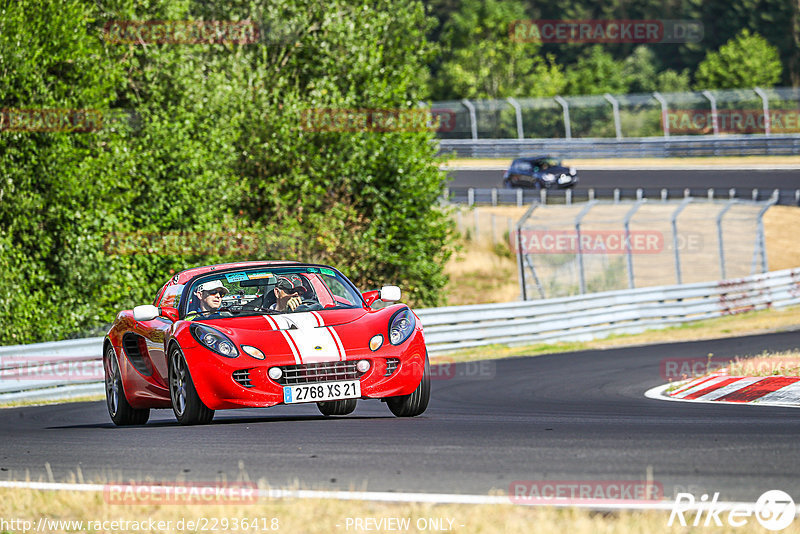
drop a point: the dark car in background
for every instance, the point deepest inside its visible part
(540, 172)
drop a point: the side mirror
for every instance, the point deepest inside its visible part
(390, 293)
(169, 313)
(371, 296)
(146, 312)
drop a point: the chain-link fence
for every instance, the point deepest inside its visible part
(721, 112)
(599, 246)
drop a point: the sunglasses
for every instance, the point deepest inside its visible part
(215, 292)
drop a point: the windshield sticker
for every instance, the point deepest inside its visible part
(256, 276)
(236, 277)
(312, 270)
(329, 272)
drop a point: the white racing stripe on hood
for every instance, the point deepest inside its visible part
(275, 325)
(315, 344)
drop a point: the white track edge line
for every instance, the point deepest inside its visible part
(399, 497)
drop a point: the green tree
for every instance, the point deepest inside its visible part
(482, 60)
(595, 73)
(748, 60)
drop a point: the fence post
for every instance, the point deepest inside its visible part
(565, 107)
(476, 222)
(520, 252)
(629, 252)
(470, 196)
(664, 113)
(765, 105)
(664, 195)
(494, 196)
(710, 193)
(518, 113)
(568, 196)
(519, 198)
(473, 120)
(616, 196)
(639, 194)
(615, 110)
(762, 245)
(591, 193)
(543, 196)
(494, 229)
(732, 193)
(714, 119)
(719, 238)
(578, 220)
(674, 221)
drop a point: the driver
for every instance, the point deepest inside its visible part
(209, 295)
(289, 291)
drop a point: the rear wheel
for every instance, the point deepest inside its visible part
(186, 403)
(121, 412)
(415, 403)
(340, 407)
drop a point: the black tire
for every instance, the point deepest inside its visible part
(339, 407)
(121, 412)
(414, 404)
(186, 403)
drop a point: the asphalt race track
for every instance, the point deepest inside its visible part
(694, 179)
(569, 417)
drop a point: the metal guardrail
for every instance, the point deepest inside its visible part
(633, 147)
(523, 197)
(596, 315)
(42, 371)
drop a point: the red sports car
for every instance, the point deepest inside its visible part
(257, 334)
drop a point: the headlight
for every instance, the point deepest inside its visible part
(214, 340)
(572, 171)
(548, 176)
(401, 326)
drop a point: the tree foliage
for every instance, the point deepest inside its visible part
(206, 139)
(745, 61)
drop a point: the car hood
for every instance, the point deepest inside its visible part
(307, 337)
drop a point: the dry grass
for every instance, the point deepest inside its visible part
(780, 225)
(326, 516)
(785, 363)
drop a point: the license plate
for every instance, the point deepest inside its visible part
(323, 391)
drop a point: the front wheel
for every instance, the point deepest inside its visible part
(414, 404)
(340, 407)
(121, 412)
(186, 403)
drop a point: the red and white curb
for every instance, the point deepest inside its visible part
(719, 387)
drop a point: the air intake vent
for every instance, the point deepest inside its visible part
(135, 349)
(242, 377)
(391, 366)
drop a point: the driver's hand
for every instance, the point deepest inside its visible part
(294, 302)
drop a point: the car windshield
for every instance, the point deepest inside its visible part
(521, 165)
(253, 292)
(546, 163)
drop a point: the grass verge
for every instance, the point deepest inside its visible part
(325, 516)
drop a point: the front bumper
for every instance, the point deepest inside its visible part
(224, 383)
